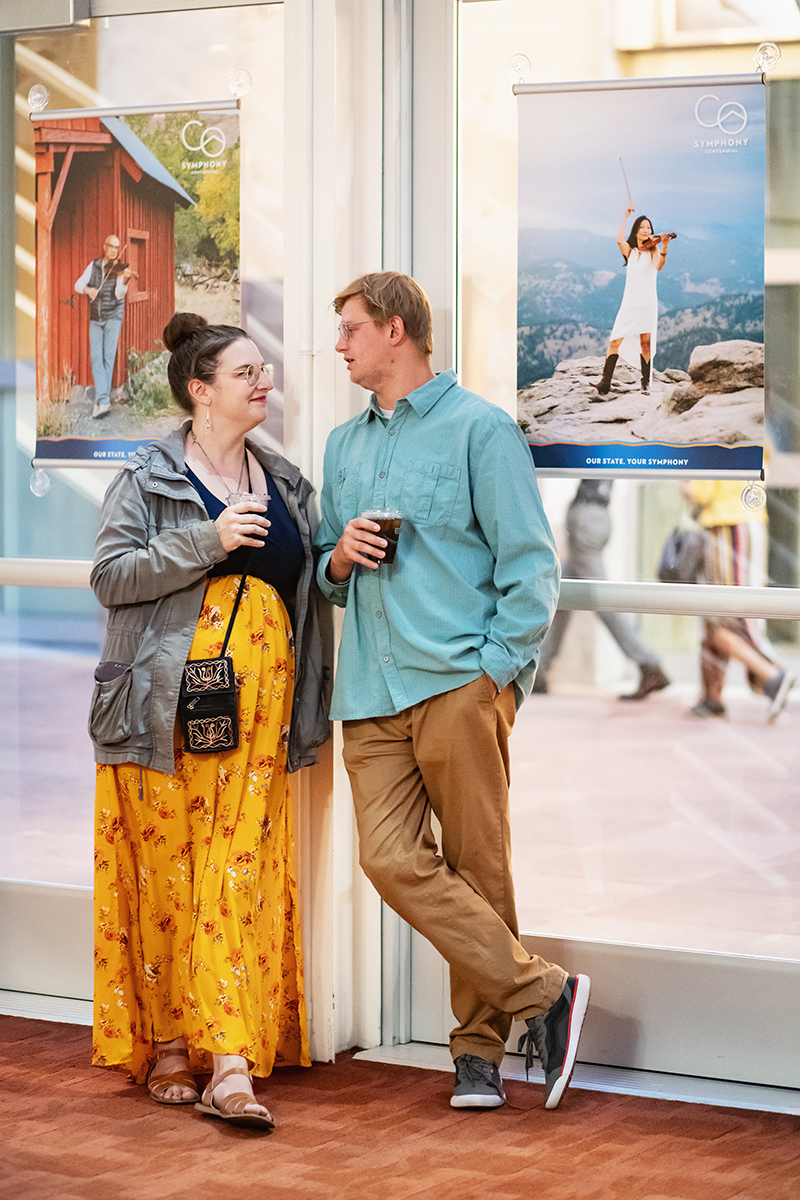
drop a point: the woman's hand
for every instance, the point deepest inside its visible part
(629, 211)
(242, 525)
(357, 540)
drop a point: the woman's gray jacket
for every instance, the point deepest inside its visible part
(155, 546)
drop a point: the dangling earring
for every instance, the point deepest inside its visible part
(208, 419)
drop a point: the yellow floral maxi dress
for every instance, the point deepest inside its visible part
(196, 916)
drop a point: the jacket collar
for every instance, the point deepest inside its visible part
(173, 462)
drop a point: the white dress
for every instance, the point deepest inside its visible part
(638, 312)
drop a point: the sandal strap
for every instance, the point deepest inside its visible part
(233, 1105)
(231, 1071)
(160, 1083)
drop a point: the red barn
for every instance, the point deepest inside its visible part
(94, 177)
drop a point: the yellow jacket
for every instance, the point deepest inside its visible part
(719, 503)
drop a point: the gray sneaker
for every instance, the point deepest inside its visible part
(556, 1035)
(478, 1083)
(777, 690)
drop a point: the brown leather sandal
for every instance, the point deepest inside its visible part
(158, 1086)
(233, 1106)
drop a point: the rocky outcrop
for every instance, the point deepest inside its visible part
(720, 399)
(722, 402)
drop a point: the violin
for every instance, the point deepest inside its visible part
(651, 242)
(116, 268)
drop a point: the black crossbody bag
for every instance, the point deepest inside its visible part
(207, 705)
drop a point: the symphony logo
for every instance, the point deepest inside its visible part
(731, 116)
(211, 141)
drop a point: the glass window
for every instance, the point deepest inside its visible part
(50, 638)
(639, 820)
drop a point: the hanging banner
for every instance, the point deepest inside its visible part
(137, 217)
(642, 357)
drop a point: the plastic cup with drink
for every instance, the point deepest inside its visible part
(390, 521)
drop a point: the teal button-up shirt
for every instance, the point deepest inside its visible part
(475, 582)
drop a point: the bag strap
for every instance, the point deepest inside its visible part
(233, 615)
(244, 575)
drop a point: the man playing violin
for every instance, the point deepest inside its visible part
(105, 282)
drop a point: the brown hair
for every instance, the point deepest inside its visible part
(195, 347)
(387, 294)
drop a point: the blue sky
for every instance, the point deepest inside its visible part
(570, 145)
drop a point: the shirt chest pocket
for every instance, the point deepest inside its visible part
(429, 492)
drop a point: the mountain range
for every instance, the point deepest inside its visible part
(571, 284)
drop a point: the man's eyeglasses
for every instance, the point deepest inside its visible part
(347, 327)
(251, 373)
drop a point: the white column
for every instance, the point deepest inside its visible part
(370, 183)
(333, 159)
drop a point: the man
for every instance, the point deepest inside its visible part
(588, 531)
(106, 286)
(437, 651)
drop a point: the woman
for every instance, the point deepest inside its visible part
(198, 961)
(634, 332)
(735, 554)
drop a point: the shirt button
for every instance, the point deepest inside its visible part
(386, 658)
(382, 475)
(391, 433)
(379, 613)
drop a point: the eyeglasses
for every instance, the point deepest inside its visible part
(251, 373)
(346, 328)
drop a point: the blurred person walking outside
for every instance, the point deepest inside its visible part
(439, 647)
(735, 554)
(588, 531)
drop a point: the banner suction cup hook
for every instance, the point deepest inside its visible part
(753, 497)
(518, 68)
(39, 482)
(38, 97)
(767, 56)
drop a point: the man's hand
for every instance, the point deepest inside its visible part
(90, 292)
(126, 274)
(357, 540)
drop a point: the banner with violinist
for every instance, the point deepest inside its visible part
(137, 217)
(640, 340)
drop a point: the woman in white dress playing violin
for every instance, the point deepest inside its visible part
(634, 332)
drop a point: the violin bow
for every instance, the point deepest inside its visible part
(625, 177)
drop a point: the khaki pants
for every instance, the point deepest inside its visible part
(449, 755)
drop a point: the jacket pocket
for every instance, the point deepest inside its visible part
(110, 717)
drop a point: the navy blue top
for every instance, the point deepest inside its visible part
(279, 561)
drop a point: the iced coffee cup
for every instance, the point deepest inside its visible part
(248, 498)
(390, 521)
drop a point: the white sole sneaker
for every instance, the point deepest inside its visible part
(781, 696)
(577, 1014)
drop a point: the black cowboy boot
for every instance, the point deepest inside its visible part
(608, 370)
(645, 375)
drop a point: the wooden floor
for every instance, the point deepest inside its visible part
(365, 1131)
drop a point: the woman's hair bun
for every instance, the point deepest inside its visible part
(182, 326)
